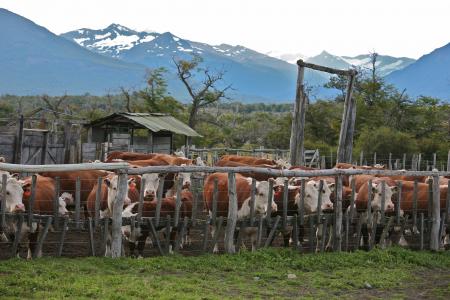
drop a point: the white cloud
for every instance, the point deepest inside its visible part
(347, 27)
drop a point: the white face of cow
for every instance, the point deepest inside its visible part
(151, 184)
(68, 198)
(185, 179)
(14, 194)
(312, 196)
(62, 208)
(261, 198)
(112, 184)
(377, 195)
(283, 164)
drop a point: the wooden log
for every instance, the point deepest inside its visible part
(369, 202)
(62, 237)
(159, 201)
(358, 231)
(434, 161)
(180, 234)
(17, 235)
(77, 202)
(67, 138)
(122, 188)
(441, 230)
(299, 108)
(324, 222)
(179, 186)
(346, 124)
(269, 203)
(168, 227)
(19, 168)
(311, 234)
(105, 232)
(285, 204)
(404, 161)
(398, 203)
(252, 203)
(141, 202)
(419, 162)
(383, 201)
(91, 236)
(349, 72)
(436, 215)
(232, 214)
(260, 232)
(390, 161)
(361, 158)
(374, 158)
(98, 197)
(217, 232)
(205, 234)
(373, 230)
(19, 142)
(31, 202)
(347, 228)
(42, 237)
(385, 231)
(352, 198)
(301, 207)
(296, 245)
(338, 220)
(44, 147)
(319, 201)
(155, 236)
(239, 241)
(272, 232)
(56, 202)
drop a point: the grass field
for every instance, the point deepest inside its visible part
(272, 273)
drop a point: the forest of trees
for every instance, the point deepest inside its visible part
(388, 120)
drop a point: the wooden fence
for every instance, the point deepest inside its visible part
(342, 226)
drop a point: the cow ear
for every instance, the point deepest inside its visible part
(2, 159)
(107, 182)
(374, 189)
(26, 185)
(16, 176)
(331, 186)
(161, 175)
(394, 189)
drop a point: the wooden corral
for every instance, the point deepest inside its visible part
(344, 227)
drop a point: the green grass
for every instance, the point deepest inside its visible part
(393, 273)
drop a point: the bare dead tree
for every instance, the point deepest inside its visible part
(54, 104)
(127, 95)
(207, 93)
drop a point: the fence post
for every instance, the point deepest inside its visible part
(361, 158)
(374, 158)
(122, 185)
(390, 161)
(232, 214)
(338, 219)
(404, 161)
(435, 217)
(434, 160)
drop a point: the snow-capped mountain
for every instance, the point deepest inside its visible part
(385, 64)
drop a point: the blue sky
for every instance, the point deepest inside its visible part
(347, 27)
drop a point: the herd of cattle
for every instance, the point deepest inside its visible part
(18, 193)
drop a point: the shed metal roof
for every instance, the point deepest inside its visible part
(152, 121)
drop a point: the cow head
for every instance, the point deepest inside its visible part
(262, 197)
(62, 207)
(283, 164)
(311, 200)
(151, 184)
(377, 195)
(68, 198)
(112, 184)
(14, 194)
(185, 178)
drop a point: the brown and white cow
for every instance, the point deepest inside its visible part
(128, 156)
(243, 193)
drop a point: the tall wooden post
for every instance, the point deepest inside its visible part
(19, 142)
(435, 215)
(44, 147)
(122, 185)
(348, 123)
(232, 214)
(298, 119)
(67, 139)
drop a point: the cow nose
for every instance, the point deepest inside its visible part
(328, 206)
(19, 208)
(390, 207)
(187, 185)
(149, 193)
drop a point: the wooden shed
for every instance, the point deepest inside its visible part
(139, 132)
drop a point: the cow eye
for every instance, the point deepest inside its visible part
(7, 192)
(115, 188)
(323, 192)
